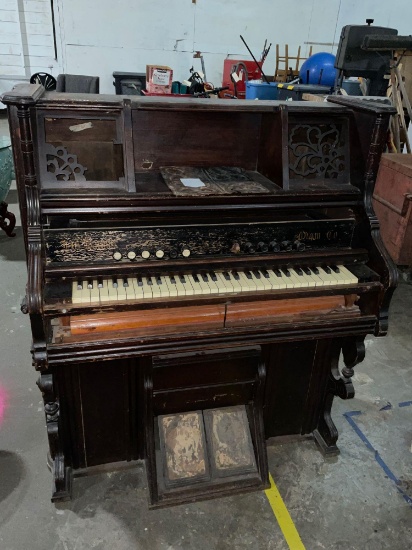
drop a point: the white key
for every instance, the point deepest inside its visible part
(288, 279)
(265, 280)
(94, 293)
(205, 287)
(104, 291)
(156, 291)
(328, 278)
(85, 293)
(210, 283)
(184, 280)
(278, 283)
(352, 280)
(130, 294)
(172, 288)
(162, 286)
(237, 287)
(112, 291)
(214, 285)
(181, 291)
(248, 285)
(311, 279)
(138, 289)
(197, 287)
(76, 294)
(304, 283)
(121, 290)
(318, 279)
(147, 289)
(258, 281)
(223, 284)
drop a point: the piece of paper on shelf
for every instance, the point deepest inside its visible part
(192, 182)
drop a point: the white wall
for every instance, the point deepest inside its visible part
(99, 37)
(128, 34)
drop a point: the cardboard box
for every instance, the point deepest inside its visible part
(159, 79)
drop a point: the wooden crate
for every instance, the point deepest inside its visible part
(392, 201)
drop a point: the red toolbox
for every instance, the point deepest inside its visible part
(253, 72)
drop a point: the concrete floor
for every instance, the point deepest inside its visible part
(347, 502)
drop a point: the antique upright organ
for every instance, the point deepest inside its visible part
(196, 267)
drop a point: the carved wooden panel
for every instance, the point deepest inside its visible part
(318, 150)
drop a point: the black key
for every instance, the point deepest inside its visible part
(265, 274)
(139, 281)
(205, 278)
(335, 268)
(248, 274)
(277, 272)
(226, 275)
(256, 274)
(299, 271)
(79, 285)
(195, 278)
(326, 269)
(236, 275)
(158, 280)
(99, 283)
(306, 270)
(115, 283)
(173, 280)
(315, 270)
(213, 276)
(286, 271)
(149, 281)
(125, 282)
(182, 278)
(90, 284)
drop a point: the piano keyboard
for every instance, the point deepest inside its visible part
(100, 291)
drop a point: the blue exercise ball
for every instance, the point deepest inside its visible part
(318, 69)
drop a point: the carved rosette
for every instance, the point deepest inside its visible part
(316, 151)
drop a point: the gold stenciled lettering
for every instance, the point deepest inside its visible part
(306, 236)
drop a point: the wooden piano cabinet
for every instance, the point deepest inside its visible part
(301, 382)
(100, 410)
(97, 412)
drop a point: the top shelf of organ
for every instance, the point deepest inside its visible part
(197, 148)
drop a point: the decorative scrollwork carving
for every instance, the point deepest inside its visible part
(61, 472)
(316, 150)
(63, 165)
(339, 385)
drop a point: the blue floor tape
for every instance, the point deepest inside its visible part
(349, 417)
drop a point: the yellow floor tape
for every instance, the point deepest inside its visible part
(282, 515)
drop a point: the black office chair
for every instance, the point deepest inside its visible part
(76, 83)
(45, 79)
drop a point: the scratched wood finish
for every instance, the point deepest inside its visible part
(205, 316)
(212, 316)
(97, 387)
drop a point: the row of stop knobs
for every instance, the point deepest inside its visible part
(273, 246)
(146, 254)
(248, 248)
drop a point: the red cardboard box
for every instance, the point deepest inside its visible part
(159, 79)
